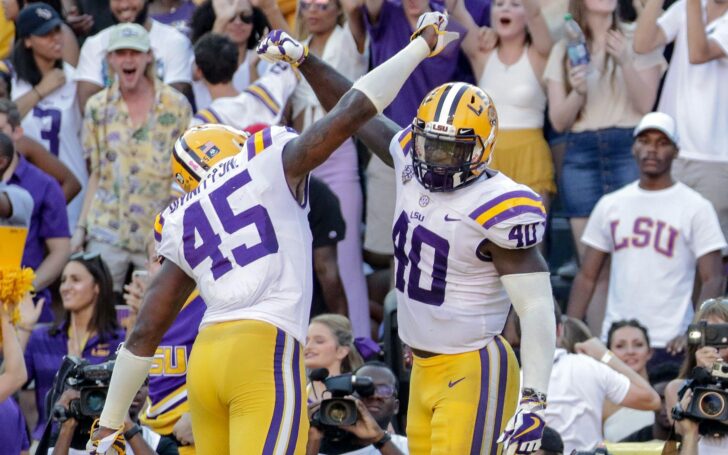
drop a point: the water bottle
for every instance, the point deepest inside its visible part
(576, 48)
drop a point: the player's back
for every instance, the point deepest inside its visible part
(245, 239)
(450, 298)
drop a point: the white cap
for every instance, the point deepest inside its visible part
(658, 121)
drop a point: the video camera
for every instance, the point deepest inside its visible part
(338, 410)
(92, 381)
(709, 403)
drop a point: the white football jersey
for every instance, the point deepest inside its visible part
(245, 239)
(56, 123)
(262, 102)
(449, 297)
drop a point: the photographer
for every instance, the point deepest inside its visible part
(375, 413)
(140, 440)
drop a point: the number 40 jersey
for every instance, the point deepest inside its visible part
(450, 297)
(244, 238)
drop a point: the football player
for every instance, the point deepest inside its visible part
(242, 237)
(465, 241)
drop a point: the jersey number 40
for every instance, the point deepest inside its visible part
(196, 225)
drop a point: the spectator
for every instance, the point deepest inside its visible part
(330, 345)
(139, 439)
(16, 204)
(551, 443)
(700, 33)
(89, 328)
(129, 131)
(654, 248)
(599, 104)
(240, 22)
(334, 31)
(172, 53)
(370, 436)
(14, 372)
(693, 441)
(261, 102)
(176, 13)
(88, 17)
(69, 49)
(661, 429)
(713, 311)
(44, 90)
(511, 74)
(327, 227)
(580, 384)
(47, 245)
(629, 341)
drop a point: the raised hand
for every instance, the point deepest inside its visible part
(438, 22)
(523, 432)
(279, 46)
(52, 80)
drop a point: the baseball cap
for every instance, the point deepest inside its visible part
(37, 19)
(658, 121)
(128, 36)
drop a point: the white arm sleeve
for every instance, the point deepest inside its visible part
(382, 84)
(129, 374)
(533, 300)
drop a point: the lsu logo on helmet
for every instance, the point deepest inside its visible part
(200, 148)
(454, 133)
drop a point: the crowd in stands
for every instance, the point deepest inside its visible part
(631, 148)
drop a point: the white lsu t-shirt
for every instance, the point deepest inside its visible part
(696, 95)
(55, 122)
(172, 53)
(577, 389)
(655, 239)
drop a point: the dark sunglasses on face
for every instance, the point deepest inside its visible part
(321, 5)
(83, 256)
(245, 18)
(384, 391)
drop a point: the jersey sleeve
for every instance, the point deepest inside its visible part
(401, 147)
(705, 233)
(513, 220)
(273, 89)
(167, 238)
(266, 138)
(597, 233)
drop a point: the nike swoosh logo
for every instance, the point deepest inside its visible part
(447, 218)
(452, 384)
(536, 423)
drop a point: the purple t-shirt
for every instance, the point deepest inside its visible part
(44, 354)
(178, 18)
(49, 219)
(13, 431)
(388, 36)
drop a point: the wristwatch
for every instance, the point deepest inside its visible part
(382, 441)
(132, 432)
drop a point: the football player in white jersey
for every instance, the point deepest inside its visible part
(464, 241)
(242, 236)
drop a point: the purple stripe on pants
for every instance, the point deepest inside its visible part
(275, 424)
(297, 409)
(482, 403)
(503, 376)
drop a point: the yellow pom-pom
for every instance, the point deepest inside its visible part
(14, 284)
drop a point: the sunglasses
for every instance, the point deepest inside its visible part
(384, 391)
(245, 18)
(320, 5)
(83, 256)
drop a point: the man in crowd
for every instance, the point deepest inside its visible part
(654, 246)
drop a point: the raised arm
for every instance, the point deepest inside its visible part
(541, 39)
(648, 35)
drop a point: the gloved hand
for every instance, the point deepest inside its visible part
(111, 444)
(279, 46)
(523, 432)
(438, 21)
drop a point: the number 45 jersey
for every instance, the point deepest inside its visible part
(245, 239)
(450, 297)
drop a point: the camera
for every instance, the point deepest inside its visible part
(598, 451)
(338, 410)
(704, 334)
(92, 382)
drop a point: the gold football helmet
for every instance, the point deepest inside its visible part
(200, 148)
(454, 133)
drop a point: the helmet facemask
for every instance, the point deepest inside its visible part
(445, 159)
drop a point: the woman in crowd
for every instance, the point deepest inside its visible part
(88, 329)
(599, 105)
(630, 342)
(330, 345)
(71, 48)
(45, 93)
(511, 74)
(240, 22)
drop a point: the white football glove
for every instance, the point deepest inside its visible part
(279, 46)
(112, 444)
(523, 432)
(437, 20)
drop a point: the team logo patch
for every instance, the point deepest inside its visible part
(407, 174)
(424, 200)
(210, 149)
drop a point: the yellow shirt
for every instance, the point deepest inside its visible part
(7, 33)
(135, 176)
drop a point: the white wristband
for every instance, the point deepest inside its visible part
(130, 371)
(607, 356)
